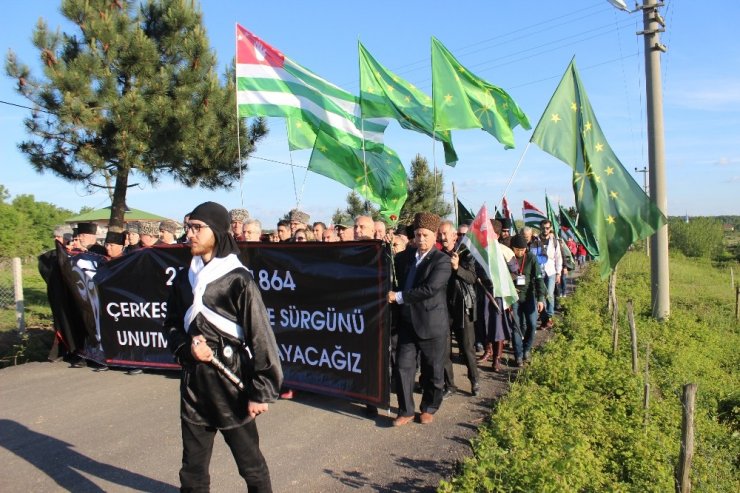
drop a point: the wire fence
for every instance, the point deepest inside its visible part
(7, 292)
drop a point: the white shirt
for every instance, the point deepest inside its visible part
(554, 264)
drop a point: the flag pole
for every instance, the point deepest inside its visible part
(362, 126)
(515, 170)
(238, 121)
(292, 171)
(454, 200)
(434, 133)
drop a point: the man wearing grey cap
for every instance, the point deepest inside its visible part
(298, 220)
(133, 241)
(148, 233)
(237, 217)
(168, 230)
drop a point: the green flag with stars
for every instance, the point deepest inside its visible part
(553, 218)
(375, 173)
(609, 201)
(462, 100)
(385, 94)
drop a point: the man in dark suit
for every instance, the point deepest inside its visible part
(423, 324)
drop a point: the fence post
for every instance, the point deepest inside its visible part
(683, 483)
(612, 291)
(646, 391)
(737, 302)
(633, 335)
(615, 326)
(20, 320)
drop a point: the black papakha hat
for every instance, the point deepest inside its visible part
(87, 228)
(115, 238)
(518, 241)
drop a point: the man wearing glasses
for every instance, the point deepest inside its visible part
(551, 269)
(215, 314)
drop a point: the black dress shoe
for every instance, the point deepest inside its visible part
(475, 389)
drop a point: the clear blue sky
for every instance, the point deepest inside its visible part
(523, 47)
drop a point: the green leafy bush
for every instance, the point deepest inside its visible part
(574, 420)
(700, 237)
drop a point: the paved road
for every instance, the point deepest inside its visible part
(73, 429)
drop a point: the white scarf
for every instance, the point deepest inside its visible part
(200, 275)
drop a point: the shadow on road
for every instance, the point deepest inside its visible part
(59, 461)
(358, 480)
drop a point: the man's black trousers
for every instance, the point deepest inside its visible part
(244, 442)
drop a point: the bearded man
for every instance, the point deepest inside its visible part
(215, 314)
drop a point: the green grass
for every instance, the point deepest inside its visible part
(37, 311)
(34, 346)
(574, 420)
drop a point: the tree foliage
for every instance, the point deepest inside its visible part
(356, 206)
(28, 225)
(425, 192)
(132, 93)
(700, 237)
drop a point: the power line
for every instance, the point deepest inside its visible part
(25, 107)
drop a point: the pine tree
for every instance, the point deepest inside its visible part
(356, 206)
(132, 94)
(425, 192)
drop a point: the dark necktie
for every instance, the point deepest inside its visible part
(410, 276)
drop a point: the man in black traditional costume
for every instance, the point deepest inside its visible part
(215, 313)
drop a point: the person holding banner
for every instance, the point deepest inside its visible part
(423, 325)
(219, 330)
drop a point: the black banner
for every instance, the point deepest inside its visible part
(326, 302)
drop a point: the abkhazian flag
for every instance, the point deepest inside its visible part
(463, 100)
(567, 233)
(552, 217)
(609, 201)
(505, 208)
(268, 83)
(487, 252)
(385, 94)
(514, 229)
(375, 173)
(532, 215)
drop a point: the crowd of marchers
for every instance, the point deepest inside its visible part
(439, 291)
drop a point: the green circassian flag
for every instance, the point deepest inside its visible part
(385, 94)
(463, 214)
(582, 234)
(609, 201)
(375, 172)
(463, 100)
(552, 217)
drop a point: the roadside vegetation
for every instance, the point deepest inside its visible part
(575, 420)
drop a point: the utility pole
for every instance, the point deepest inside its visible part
(644, 172)
(653, 26)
